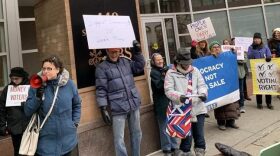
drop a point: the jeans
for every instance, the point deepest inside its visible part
(241, 92)
(133, 118)
(197, 134)
(267, 99)
(167, 142)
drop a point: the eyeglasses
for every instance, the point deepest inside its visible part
(15, 78)
(216, 47)
(47, 68)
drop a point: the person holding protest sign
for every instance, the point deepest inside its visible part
(274, 43)
(259, 50)
(116, 90)
(227, 114)
(184, 84)
(58, 136)
(12, 119)
(168, 143)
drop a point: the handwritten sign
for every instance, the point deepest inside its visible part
(108, 31)
(202, 29)
(220, 74)
(16, 95)
(265, 76)
(239, 50)
(245, 42)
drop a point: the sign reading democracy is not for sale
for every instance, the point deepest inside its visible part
(202, 29)
(16, 95)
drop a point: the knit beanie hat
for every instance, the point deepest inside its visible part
(18, 72)
(257, 35)
(213, 43)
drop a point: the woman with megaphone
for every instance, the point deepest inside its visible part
(52, 85)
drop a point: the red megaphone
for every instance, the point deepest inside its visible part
(37, 81)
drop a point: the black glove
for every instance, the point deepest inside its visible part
(105, 115)
(268, 59)
(136, 46)
(40, 92)
(202, 97)
(183, 98)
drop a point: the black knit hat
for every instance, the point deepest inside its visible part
(183, 56)
(257, 35)
(19, 72)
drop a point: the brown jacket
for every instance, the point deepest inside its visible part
(230, 111)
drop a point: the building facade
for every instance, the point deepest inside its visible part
(30, 30)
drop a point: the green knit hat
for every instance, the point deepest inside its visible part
(213, 43)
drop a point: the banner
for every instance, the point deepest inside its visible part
(221, 77)
(265, 76)
(239, 50)
(16, 95)
(202, 29)
(108, 31)
(245, 42)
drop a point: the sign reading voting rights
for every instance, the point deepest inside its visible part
(221, 76)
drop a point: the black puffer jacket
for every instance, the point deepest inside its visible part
(13, 116)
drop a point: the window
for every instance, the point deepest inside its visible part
(1, 9)
(272, 15)
(2, 38)
(3, 71)
(28, 35)
(199, 5)
(220, 24)
(148, 6)
(236, 3)
(271, 1)
(182, 22)
(245, 22)
(171, 42)
(168, 6)
(185, 41)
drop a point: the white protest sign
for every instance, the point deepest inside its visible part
(108, 31)
(202, 29)
(239, 50)
(245, 42)
(16, 95)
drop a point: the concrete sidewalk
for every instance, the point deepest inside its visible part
(258, 129)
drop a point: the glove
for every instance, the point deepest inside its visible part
(105, 115)
(194, 43)
(268, 59)
(40, 92)
(136, 46)
(202, 97)
(183, 98)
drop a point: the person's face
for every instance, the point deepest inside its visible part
(233, 42)
(226, 42)
(50, 70)
(216, 49)
(185, 66)
(114, 54)
(202, 44)
(257, 40)
(277, 35)
(16, 80)
(158, 61)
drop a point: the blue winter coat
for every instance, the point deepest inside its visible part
(59, 134)
(115, 84)
(262, 52)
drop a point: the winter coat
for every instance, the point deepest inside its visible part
(259, 52)
(274, 46)
(115, 84)
(14, 116)
(197, 52)
(242, 67)
(229, 111)
(59, 134)
(160, 100)
(176, 84)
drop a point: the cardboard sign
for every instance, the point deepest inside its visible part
(220, 74)
(239, 50)
(201, 30)
(245, 42)
(265, 76)
(108, 31)
(16, 95)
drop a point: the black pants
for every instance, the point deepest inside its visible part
(16, 143)
(74, 152)
(267, 99)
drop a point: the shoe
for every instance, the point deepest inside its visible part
(269, 106)
(247, 98)
(242, 110)
(199, 152)
(222, 127)
(207, 115)
(234, 126)
(259, 106)
(186, 154)
(166, 151)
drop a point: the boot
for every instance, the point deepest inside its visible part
(229, 151)
(259, 106)
(269, 106)
(187, 154)
(199, 152)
